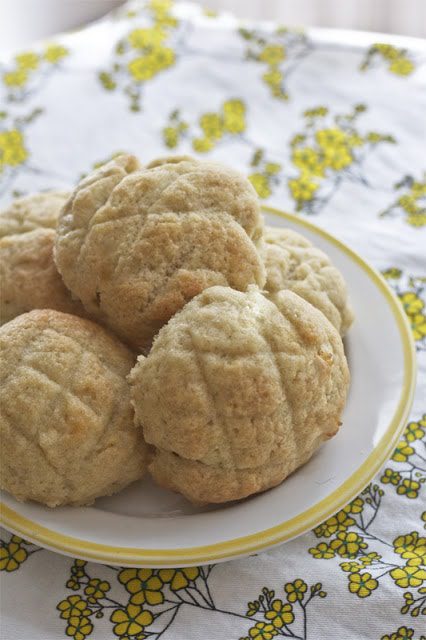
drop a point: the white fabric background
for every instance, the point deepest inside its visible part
(81, 124)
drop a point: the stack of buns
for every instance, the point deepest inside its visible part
(150, 322)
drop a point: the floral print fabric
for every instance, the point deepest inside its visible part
(324, 127)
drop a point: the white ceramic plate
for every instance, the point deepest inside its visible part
(147, 526)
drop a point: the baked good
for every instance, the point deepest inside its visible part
(28, 275)
(135, 244)
(38, 210)
(237, 392)
(29, 278)
(66, 421)
(293, 263)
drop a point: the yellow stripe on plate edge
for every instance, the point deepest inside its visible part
(279, 533)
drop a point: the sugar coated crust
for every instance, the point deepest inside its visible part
(293, 263)
(66, 423)
(38, 210)
(135, 244)
(237, 392)
(29, 278)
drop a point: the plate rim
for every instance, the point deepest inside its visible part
(287, 530)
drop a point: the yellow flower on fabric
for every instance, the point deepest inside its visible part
(54, 53)
(369, 558)
(234, 116)
(12, 555)
(146, 66)
(212, 125)
(390, 477)
(340, 522)
(418, 189)
(354, 140)
(414, 431)
(411, 547)
(418, 326)
(280, 613)
(162, 57)
(347, 544)
(160, 6)
(412, 303)
(73, 584)
(351, 567)
(131, 621)
(337, 157)
(331, 137)
(143, 584)
(273, 77)
(261, 184)
(179, 578)
(417, 219)
(262, 631)
(161, 9)
(402, 452)
(171, 137)
(302, 189)
(386, 50)
(77, 569)
(308, 160)
(12, 149)
(107, 81)
(73, 606)
(146, 38)
(401, 67)
(271, 168)
(362, 584)
(273, 54)
(79, 628)
(317, 112)
(141, 69)
(402, 634)
(202, 145)
(322, 551)
(16, 78)
(409, 488)
(408, 576)
(96, 589)
(392, 274)
(295, 590)
(28, 61)
(408, 203)
(355, 506)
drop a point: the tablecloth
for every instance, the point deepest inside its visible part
(328, 124)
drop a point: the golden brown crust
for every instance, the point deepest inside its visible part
(136, 244)
(66, 424)
(293, 263)
(237, 392)
(29, 278)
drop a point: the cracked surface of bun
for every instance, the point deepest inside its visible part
(66, 422)
(39, 210)
(29, 278)
(237, 392)
(293, 263)
(135, 244)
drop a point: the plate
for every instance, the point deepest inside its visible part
(147, 526)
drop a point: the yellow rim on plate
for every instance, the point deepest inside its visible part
(279, 533)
